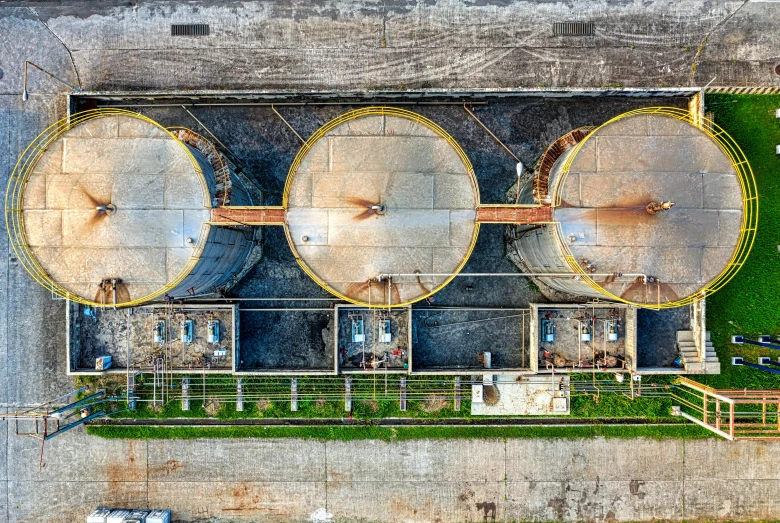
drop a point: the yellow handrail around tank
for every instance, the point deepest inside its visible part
(747, 182)
(14, 206)
(353, 115)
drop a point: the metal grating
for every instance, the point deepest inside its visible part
(190, 30)
(574, 29)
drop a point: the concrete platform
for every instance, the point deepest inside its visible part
(427, 220)
(161, 202)
(127, 335)
(520, 395)
(357, 354)
(651, 158)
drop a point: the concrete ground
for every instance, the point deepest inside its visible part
(360, 45)
(446, 481)
(397, 44)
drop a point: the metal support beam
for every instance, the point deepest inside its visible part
(76, 423)
(240, 395)
(520, 214)
(403, 394)
(457, 393)
(348, 394)
(739, 340)
(294, 395)
(768, 361)
(247, 216)
(185, 394)
(737, 361)
(699, 422)
(79, 403)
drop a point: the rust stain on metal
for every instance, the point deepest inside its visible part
(247, 216)
(550, 156)
(224, 183)
(512, 214)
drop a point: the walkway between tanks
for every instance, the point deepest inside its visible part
(424, 480)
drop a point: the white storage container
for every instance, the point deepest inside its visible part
(159, 516)
(138, 516)
(99, 515)
(118, 516)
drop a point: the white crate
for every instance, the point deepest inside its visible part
(99, 515)
(118, 516)
(159, 516)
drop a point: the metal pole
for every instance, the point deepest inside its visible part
(26, 94)
(741, 339)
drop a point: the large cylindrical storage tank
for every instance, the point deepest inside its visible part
(652, 208)
(110, 207)
(381, 207)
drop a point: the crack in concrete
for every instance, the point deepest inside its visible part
(700, 50)
(70, 54)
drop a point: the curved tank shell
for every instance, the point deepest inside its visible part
(115, 209)
(381, 207)
(650, 209)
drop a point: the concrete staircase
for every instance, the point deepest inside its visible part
(691, 357)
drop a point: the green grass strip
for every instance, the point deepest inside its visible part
(399, 433)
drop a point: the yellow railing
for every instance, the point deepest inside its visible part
(747, 183)
(360, 113)
(14, 205)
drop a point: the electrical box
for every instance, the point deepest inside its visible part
(387, 336)
(559, 405)
(103, 363)
(159, 332)
(358, 336)
(186, 331)
(213, 331)
(476, 393)
(548, 331)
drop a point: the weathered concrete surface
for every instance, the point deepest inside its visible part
(442, 480)
(32, 362)
(394, 44)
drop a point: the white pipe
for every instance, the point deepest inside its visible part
(526, 274)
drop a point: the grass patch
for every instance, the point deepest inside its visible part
(400, 433)
(748, 304)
